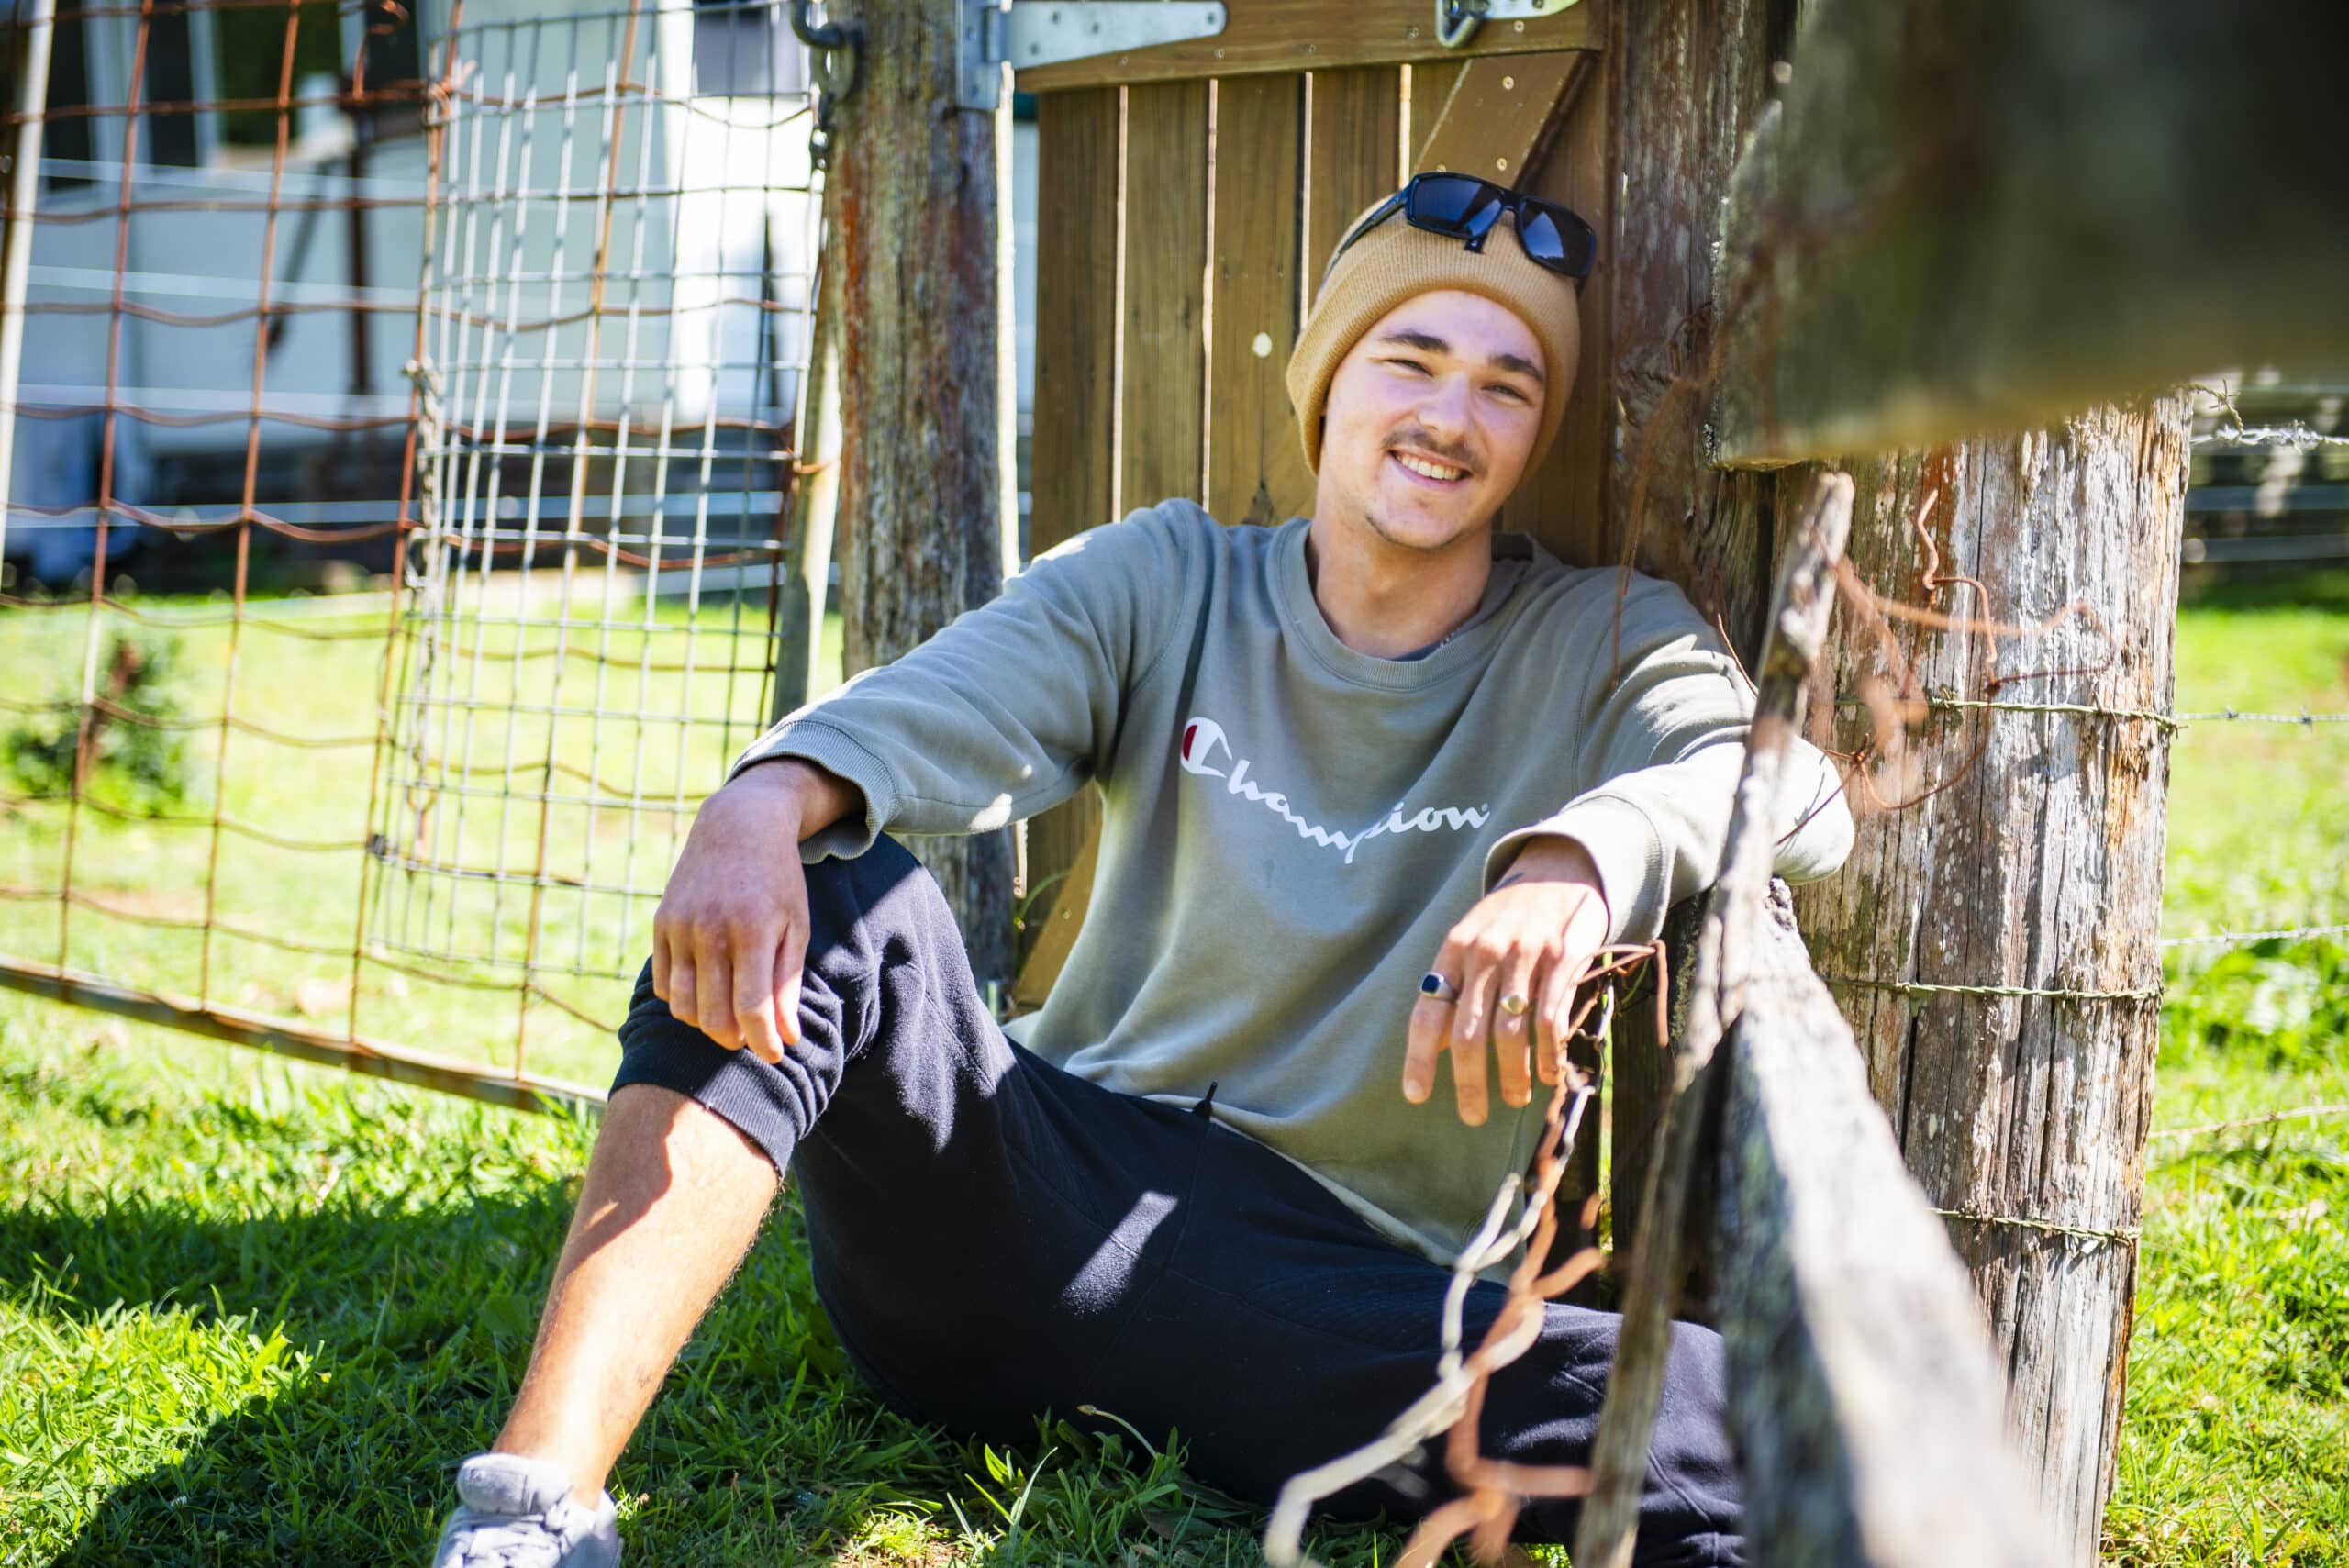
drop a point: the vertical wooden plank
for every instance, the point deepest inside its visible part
(1430, 89)
(1160, 380)
(1162, 363)
(1256, 471)
(1073, 453)
(1563, 502)
(1354, 155)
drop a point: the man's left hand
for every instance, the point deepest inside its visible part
(1529, 940)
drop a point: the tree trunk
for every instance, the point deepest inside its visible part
(911, 210)
(2037, 866)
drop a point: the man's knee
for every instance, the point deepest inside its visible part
(654, 1136)
(841, 894)
(880, 907)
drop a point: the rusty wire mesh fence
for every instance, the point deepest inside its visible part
(496, 314)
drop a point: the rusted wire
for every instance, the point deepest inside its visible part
(1493, 1491)
(581, 535)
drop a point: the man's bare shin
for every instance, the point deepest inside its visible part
(672, 1200)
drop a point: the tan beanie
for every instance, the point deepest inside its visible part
(1393, 262)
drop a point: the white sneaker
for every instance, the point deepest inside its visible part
(517, 1512)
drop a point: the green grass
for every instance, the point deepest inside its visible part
(2235, 1446)
(253, 1312)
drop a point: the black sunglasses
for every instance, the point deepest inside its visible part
(1461, 206)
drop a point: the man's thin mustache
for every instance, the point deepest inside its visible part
(1456, 456)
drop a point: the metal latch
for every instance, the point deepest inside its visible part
(1024, 33)
(1456, 20)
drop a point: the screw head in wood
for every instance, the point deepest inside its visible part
(1262, 346)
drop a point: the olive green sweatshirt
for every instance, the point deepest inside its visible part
(1290, 827)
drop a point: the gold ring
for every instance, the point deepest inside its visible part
(1516, 1004)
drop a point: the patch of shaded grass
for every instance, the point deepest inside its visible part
(253, 1312)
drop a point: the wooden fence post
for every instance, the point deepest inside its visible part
(2037, 867)
(2035, 876)
(910, 221)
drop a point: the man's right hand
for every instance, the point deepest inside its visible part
(732, 930)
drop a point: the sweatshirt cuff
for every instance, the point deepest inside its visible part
(1625, 847)
(836, 751)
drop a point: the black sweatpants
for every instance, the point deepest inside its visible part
(994, 1237)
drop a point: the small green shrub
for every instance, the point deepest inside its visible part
(138, 753)
(2283, 1003)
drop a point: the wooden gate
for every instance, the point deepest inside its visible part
(1169, 298)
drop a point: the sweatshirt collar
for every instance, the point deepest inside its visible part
(1466, 648)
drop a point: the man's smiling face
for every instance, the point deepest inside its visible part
(1430, 421)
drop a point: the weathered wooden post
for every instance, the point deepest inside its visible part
(1995, 944)
(1686, 80)
(1892, 256)
(910, 213)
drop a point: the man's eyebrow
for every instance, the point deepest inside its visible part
(1429, 343)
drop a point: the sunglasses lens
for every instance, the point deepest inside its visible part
(1539, 232)
(1450, 204)
(1556, 239)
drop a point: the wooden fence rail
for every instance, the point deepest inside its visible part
(1864, 1399)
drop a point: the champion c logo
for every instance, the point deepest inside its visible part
(1200, 739)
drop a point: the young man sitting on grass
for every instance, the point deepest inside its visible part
(1370, 799)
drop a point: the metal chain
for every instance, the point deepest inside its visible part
(835, 56)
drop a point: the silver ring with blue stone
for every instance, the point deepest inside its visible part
(1436, 986)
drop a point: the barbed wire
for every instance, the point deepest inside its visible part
(2243, 938)
(2231, 430)
(2293, 433)
(2299, 1113)
(2116, 1236)
(2231, 715)
(2052, 993)
(1941, 700)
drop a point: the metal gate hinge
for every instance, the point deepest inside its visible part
(1022, 33)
